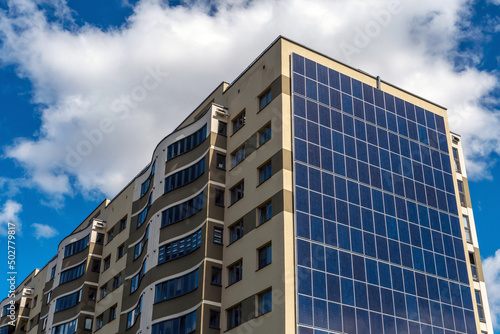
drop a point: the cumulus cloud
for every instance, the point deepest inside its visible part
(9, 214)
(491, 269)
(42, 231)
(107, 97)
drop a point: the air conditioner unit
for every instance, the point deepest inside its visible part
(222, 112)
(99, 224)
(28, 291)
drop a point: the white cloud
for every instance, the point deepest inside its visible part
(44, 231)
(9, 217)
(491, 269)
(81, 78)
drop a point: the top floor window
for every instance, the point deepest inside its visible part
(222, 130)
(186, 144)
(265, 99)
(76, 247)
(239, 122)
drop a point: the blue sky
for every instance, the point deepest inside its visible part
(67, 66)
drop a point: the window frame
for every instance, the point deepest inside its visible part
(263, 303)
(235, 192)
(235, 272)
(219, 196)
(217, 271)
(238, 156)
(267, 248)
(218, 231)
(214, 314)
(261, 132)
(86, 323)
(265, 171)
(238, 121)
(106, 263)
(265, 99)
(237, 226)
(233, 316)
(265, 212)
(222, 130)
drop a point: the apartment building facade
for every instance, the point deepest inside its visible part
(305, 197)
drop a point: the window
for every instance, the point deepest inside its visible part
(265, 99)
(48, 297)
(140, 245)
(216, 276)
(218, 235)
(111, 234)
(92, 293)
(76, 247)
(179, 248)
(182, 211)
(235, 231)
(265, 302)
(239, 122)
(479, 302)
(141, 218)
(68, 301)
(145, 187)
(72, 273)
(117, 281)
(184, 176)
(134, 314)
(221, 161)
(264, 134)
(35, 301)
(182, 325)
(5, 310)
(52, 272)
(66, 328)
(187, 144)
(237, 192)
(457, 161)
(96, 265)
(145, 184)
(473, 266)
(265, 172)
(235, 272)
(107, 263)
(136, 280)
(214, 319)
(219, 197)
(265, 212)
(104, 291)
(222, 130)
(99, 322)
(120, 252)
(265, 256)
(99, 240)
(176, 287)
(238, 156)
(88, 324)
(461, 193)
(234, 316)
(123, 224)
(112, 313)
(468, 235)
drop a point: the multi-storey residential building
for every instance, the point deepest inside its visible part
(305, 197)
